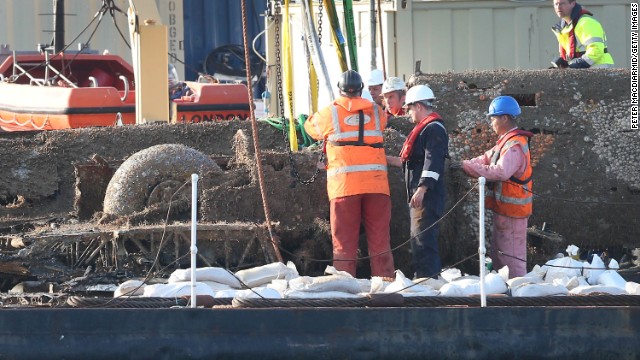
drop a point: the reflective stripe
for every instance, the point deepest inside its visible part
(588, 60)
(510, 143)
(438, 123)
(334, 119)
(593, 40)
(509, 200)
(430, 174)
(376, 116)
(603, 66)
(355, 168)
(337, 130)
(352, 134)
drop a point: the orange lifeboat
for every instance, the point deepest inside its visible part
(83, 90)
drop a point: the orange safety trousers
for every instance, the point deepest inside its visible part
(374, 211)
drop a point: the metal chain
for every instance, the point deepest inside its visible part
(320, 22)
(294, 168)
(278, 58)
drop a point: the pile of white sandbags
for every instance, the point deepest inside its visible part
(560, 276)
(567, 276)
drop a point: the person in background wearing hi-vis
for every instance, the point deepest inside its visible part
(394, 92)
(422, 160)
(357, 181)
(507, 168)
(581, 38)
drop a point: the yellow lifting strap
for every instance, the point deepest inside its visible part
(288, 77)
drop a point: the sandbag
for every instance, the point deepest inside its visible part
(129, 288)
(560, 268)
(404, 286)
(593, 272)
(216, 274)
(258, 293)
(296, 294)
(590, 289)
(435, 284)
(612, 278)
(570, 283)
(265, 274)
(632, 288)
(494, 284)
(177, 289)
(543, 289)
(326, 283)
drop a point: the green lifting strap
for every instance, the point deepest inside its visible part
(350, 26)
(308, 140)
(277, 123)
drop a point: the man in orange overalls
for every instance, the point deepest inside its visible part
(357, 182)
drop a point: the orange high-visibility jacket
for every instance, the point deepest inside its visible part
(512, 197)
(356, 162)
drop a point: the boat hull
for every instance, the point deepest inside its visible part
(323, 333)
(102, 95)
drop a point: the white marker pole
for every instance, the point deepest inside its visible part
(482, 250)
(194, 229)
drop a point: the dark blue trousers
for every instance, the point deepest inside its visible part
(424, 244)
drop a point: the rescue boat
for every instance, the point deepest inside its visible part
(65, 91)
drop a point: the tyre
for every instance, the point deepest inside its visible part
(153, 176)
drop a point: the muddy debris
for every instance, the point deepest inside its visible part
(78, 199)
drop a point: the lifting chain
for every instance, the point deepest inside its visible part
(294, 168)
(320, 22)
(278, 59)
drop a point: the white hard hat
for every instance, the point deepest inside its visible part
(366, 95)
(375, 78)
(419, 93)
(393, 84)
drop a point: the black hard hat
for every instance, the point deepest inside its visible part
(350, 82)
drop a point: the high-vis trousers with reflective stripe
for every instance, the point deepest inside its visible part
(509, 235)
(374, 211)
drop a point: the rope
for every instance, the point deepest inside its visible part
(254, 131)
(541, 301)
(392, 249)
(26, 123)
(129, 303)
(298, 303)
(444, 301)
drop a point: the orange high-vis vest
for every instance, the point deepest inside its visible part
(353, 131)
(513, 197)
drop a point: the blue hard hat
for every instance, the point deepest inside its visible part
(504, 105)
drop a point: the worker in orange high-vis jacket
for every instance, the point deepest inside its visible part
(507, 168)
(357, 182)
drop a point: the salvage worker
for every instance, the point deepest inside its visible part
(374, 84)
(394, 90)
(357, 182)
(422, 160)
(507, 168)
(581, 38)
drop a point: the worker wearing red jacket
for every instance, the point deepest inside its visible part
(507, 168)
(357, 182)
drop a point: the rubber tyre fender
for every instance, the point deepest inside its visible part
(131, 185)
